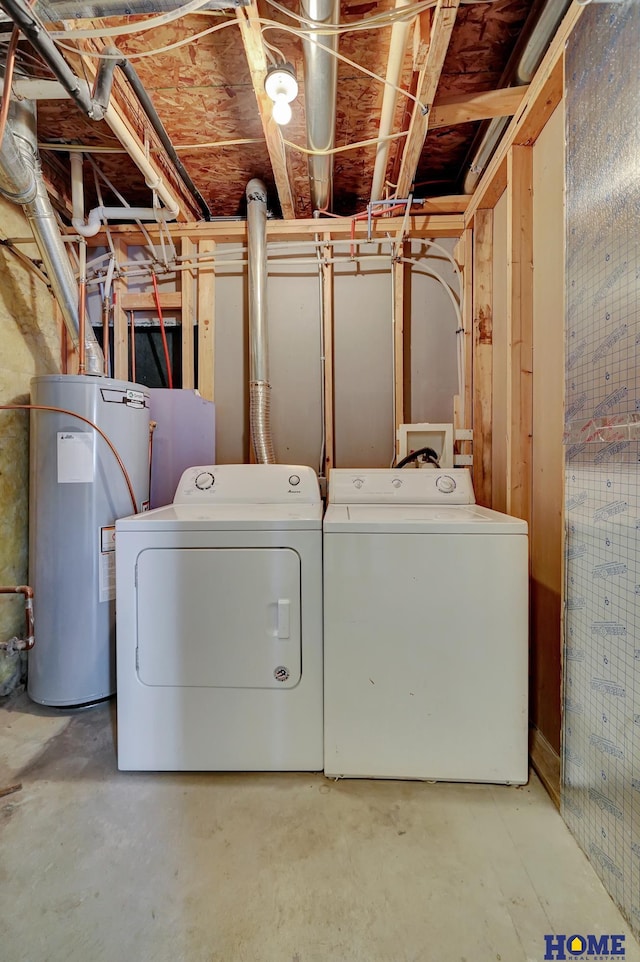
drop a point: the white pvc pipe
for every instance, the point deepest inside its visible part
(140, 159)
(91, 226)
(397, 48)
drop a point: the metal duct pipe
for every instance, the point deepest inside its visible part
(259, 387)
(320, 90)
(526, 59)
(98, 107)
(21, 182)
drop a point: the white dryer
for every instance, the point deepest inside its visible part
(219, 624)
(425, 630)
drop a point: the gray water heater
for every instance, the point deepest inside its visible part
(77, 490)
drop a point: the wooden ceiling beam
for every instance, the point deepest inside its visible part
(443, 19)
(131, 118)
(504, 102)
(543, 96)
(337, 228)
(248, 18)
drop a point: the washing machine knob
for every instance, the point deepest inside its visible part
(204, 480)
(397, 483)
(294, 480)
(358, 482)
(445, 484)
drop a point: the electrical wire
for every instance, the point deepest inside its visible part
(80, 417)
(266, 25)
(155, 51)
(460, 351)
(127, 28)
(306, 35)
(276, 50)
(378, 21)
(345, 147)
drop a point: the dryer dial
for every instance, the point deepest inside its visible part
(204, 481)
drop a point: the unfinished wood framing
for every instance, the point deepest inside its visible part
(467, 322)
(483, 355)
(462, 109)
(542, 97)
(187, 284)
(327, 322)
(443, 19)
(206, 321)
(520, 329)
(418, 225)
(249, 20)
(146, 301)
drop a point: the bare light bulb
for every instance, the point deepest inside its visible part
(281, 112)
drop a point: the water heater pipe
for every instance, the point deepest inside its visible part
(259, 387)
(26, 643)
(80, 417)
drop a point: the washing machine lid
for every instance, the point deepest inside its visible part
(225, 517)
(419, 518)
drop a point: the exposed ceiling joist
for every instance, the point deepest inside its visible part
(443, 20)
(248, 18)
(123, 108)
(504, 102)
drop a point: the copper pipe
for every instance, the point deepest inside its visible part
(46, 407)
(8, 80)
(10, 63)
(29, 641)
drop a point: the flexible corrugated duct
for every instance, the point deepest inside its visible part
(320, 90)
(21, 182)
(259, 387)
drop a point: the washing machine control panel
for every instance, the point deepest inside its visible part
(248, 484)
(405, 486)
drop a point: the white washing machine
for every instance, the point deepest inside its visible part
(219, 624)
(425, 630)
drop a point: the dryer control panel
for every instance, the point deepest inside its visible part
(405, 486)
(248, 484)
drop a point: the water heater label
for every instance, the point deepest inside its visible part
(107, 568)
(75, 457)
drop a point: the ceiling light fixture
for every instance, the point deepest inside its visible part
(282, 87)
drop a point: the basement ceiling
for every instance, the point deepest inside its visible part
(210, 103)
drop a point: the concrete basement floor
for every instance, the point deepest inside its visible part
(102, 866)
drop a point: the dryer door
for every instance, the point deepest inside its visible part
(219, 617)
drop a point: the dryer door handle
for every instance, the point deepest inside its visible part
(284, 618)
